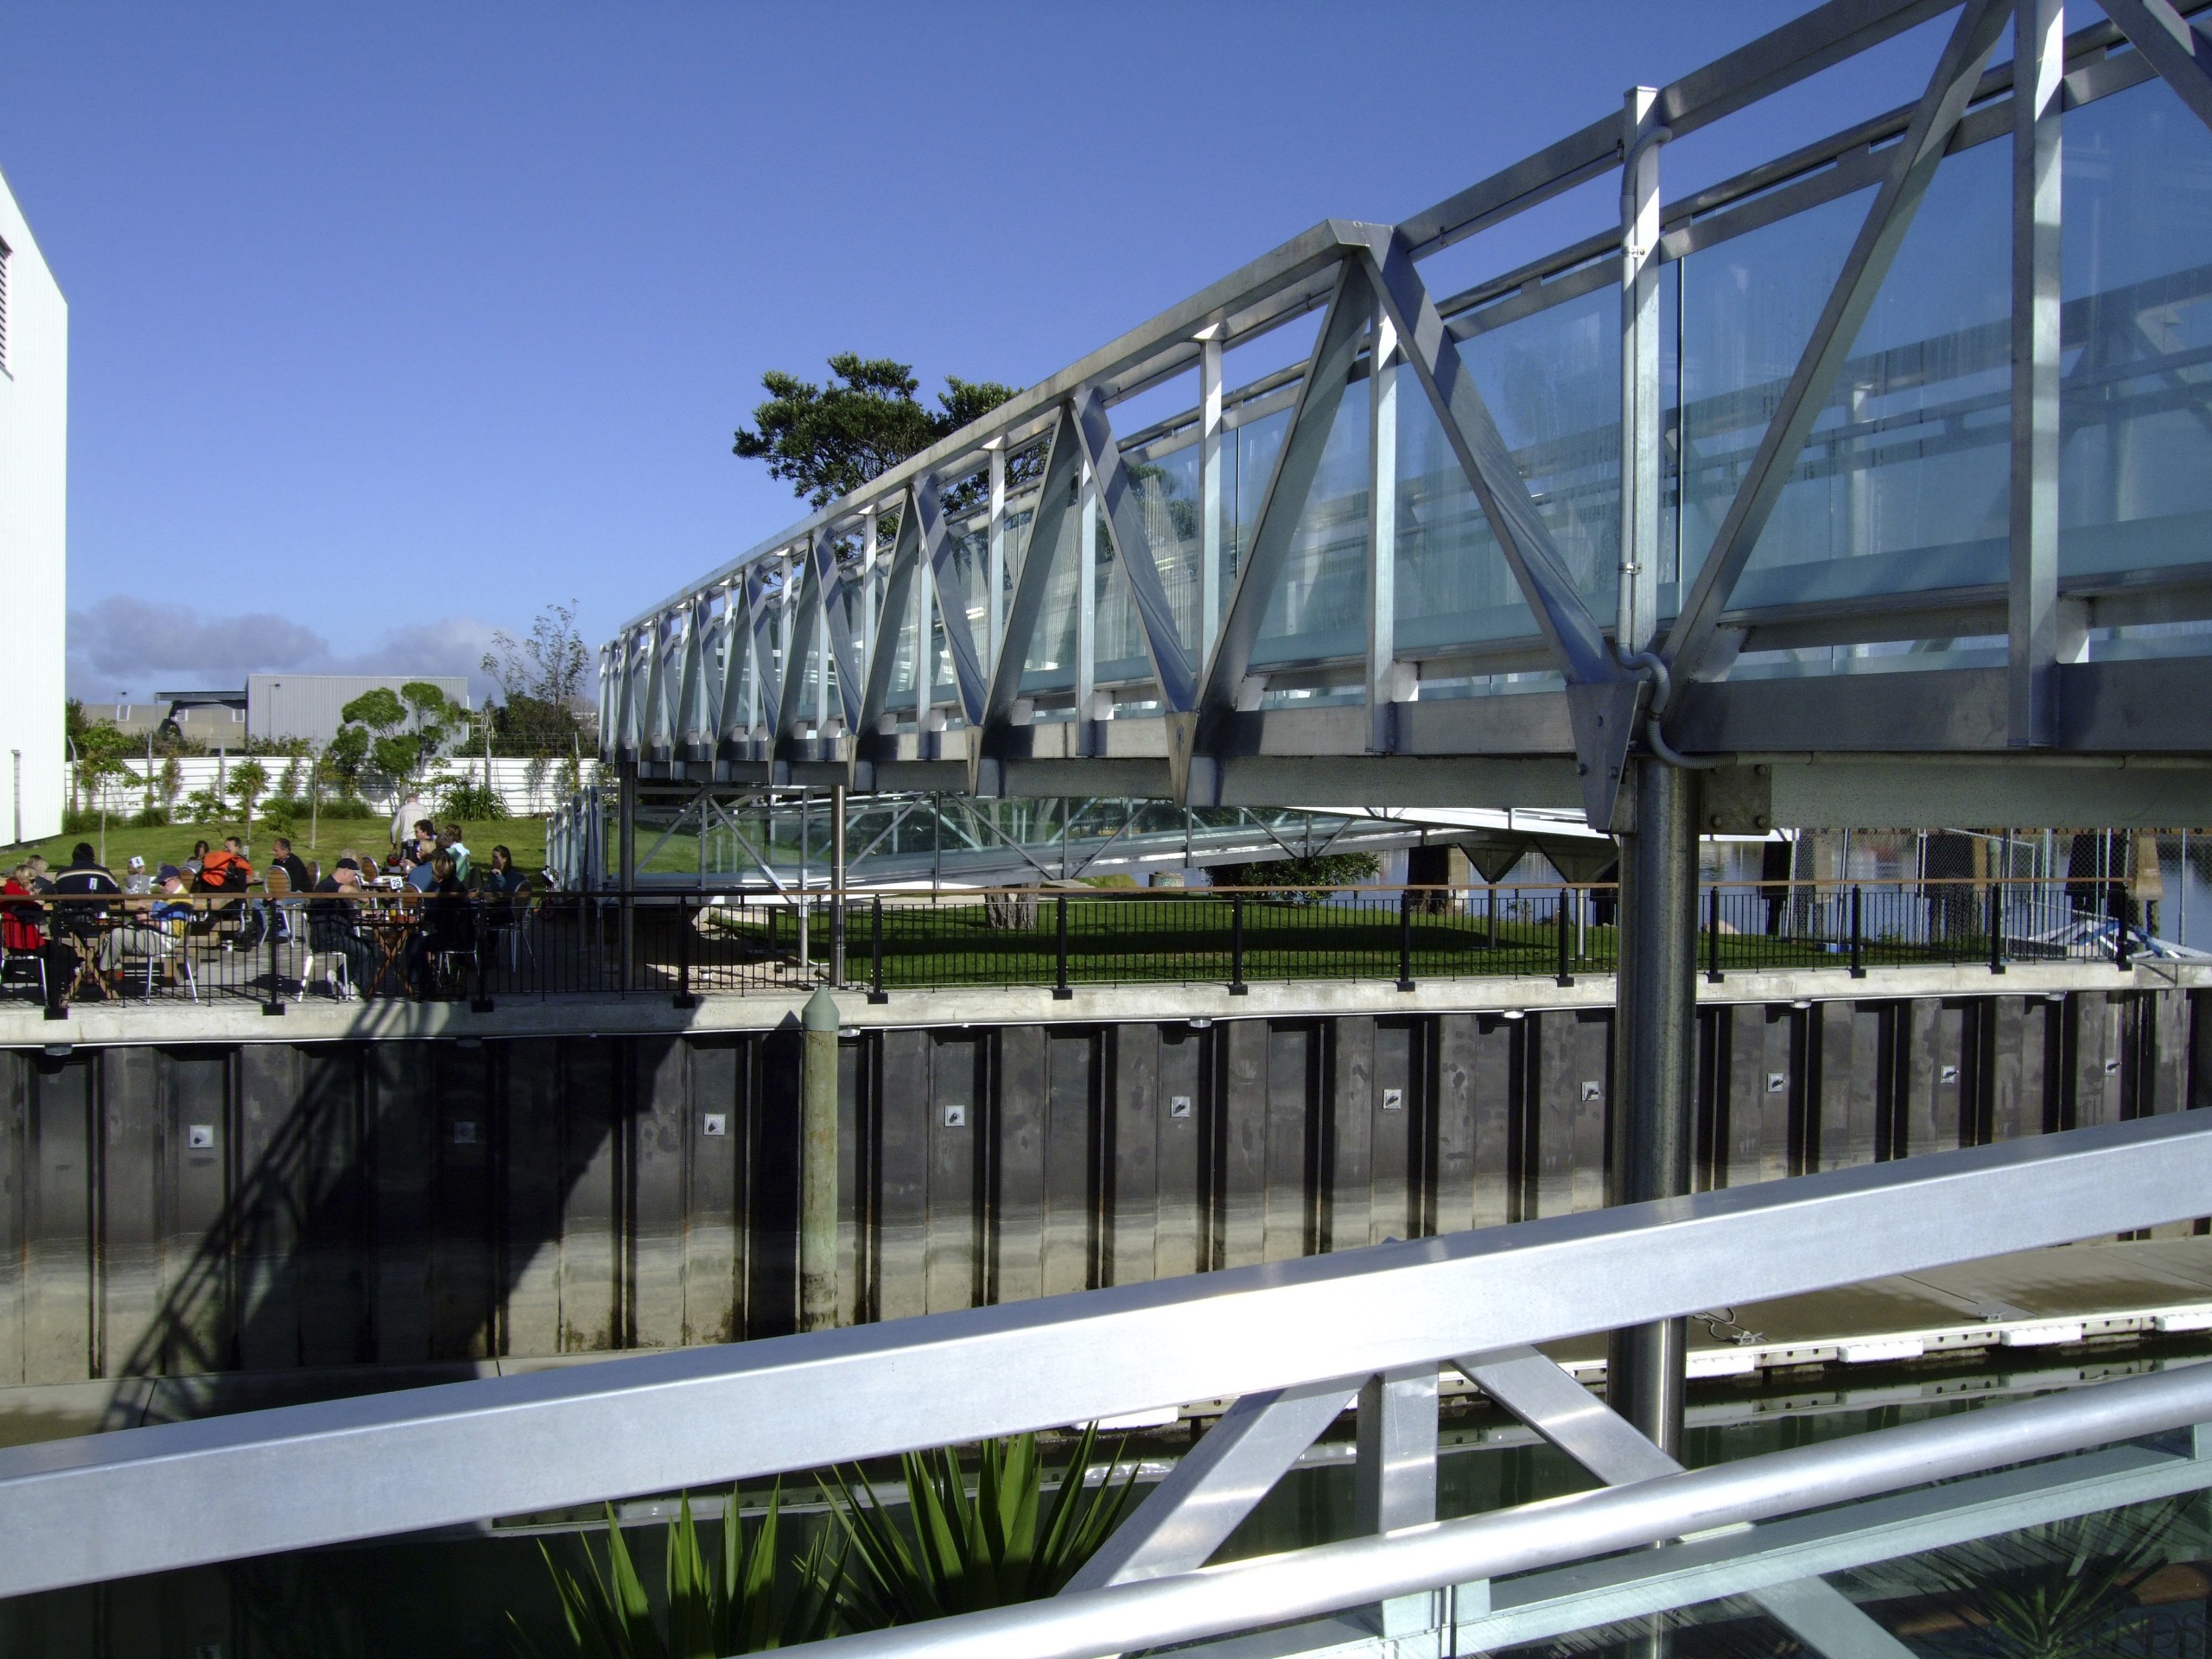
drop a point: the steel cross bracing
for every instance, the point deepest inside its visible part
(1294, 1345)
(1067, 609)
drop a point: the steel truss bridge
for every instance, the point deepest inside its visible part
(1893, 450)
(1865, 487)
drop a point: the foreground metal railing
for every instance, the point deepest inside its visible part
(1294, 1343)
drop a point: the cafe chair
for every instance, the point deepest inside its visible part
(25, 968)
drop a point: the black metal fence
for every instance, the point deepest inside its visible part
(280, 951)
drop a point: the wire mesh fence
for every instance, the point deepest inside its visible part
(275, 951)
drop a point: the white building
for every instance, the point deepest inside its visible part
(34, 534)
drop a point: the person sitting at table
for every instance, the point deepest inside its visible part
(333, 925)
(84, 916)
(135, 878)
(501, 878)
(424, 846)
(41, 879)
(173, 907)
(20, 918)
(449, 927)
(193, 866)
(458, 851)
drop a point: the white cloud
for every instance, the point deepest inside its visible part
(122, 643)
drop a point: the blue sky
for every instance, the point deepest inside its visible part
(390, 325)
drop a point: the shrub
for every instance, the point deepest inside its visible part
(472, 803)
(151, 817)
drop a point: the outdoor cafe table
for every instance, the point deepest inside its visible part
(389, 921)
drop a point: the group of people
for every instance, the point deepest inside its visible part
(85, 914)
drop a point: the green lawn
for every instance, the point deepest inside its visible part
(172, 844)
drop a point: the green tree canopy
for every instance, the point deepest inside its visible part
(829, 440)
(378, 708)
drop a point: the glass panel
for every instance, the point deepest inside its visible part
(1118, 652)
(1167, 490)
(1248, 451)
(2135, 482)
(1553, 384)
(1050, 664)
(1905, 484)
(1318, 608)
(1745, 309)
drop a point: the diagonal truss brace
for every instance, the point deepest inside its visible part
(1603, 699)
(818, 592)
(1321, 392)
(1171, 664)
(1219, 1482)
(1912, 168)
(2175, 48)
(1575, 1420)
(1063, 462)
(939, 555)
(906, 563)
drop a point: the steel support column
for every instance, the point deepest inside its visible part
(1382, 536)
(1209, 502)
(1653, 1129)
(626, 876)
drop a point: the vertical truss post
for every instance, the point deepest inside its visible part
(925, 647)
(1394, 1476)
(1382, 536)
(1086, 603)
(1637, 602)
(867, 592)
(826, 566)
(995, 610)
(627, 877)
(2038, 71)
(1209, 496)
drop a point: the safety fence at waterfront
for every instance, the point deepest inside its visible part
(653, 942)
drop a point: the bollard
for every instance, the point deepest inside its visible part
(1712, 974)
(817, 1203)
(1996, 928)
(876, 993)
(1236, 985)
(1060, 991)
(1858, 940)
(1405, 938)
(1565, 974)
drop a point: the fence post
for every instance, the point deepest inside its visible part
(1712, 935)
(481, 1002)
(876, 993)
(683, 998)
(1996, 928)
(2120, 918)
(1405, 938)
(1566, 977)
(274, 929)
(1857, 939)
(1060, 991)
(1236, 985)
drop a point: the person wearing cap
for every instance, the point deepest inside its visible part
(333, 925)
(173, 898)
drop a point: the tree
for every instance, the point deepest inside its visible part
(248, 782)
(829, 440)
(539, 679)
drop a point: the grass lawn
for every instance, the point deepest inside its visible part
(172, 844)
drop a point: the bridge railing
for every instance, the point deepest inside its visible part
(218, 948)
(1294, 1345)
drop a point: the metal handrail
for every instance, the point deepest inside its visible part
(179, 1494)
(1303, 1583)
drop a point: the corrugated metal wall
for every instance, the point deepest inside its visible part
(260, 1207)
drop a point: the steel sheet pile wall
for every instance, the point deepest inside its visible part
(268, 1207)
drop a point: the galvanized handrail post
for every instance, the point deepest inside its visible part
(1236, 985)
(683, 998)
(1061, 993)
(1996, 927)
(876, 994)
(481, 1002)
(1405, 938)
(276, 1002)
(1858, 938)
(2119, 921)
(1564, 975)
(1712, 974)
